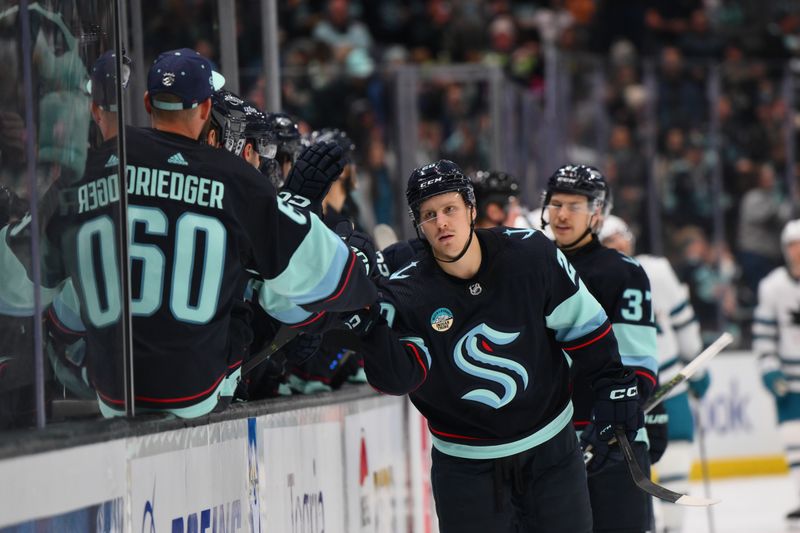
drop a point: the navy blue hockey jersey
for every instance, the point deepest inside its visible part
(621, 286)
(198, 217)
(486, 360)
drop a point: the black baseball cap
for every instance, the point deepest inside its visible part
(102, 84)
(183, 73)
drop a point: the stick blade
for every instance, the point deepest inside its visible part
(646, 484)
(696, 501)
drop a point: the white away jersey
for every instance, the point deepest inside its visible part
(776, 325)
(678, 332)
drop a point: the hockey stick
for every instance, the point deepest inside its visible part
(701, 442)
(686, 372)
(644, 482)
(281, 338)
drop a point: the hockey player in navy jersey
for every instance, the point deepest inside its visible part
(573, 206)
(479, 330)
(198, 218)
(678, 343)
(776, 340)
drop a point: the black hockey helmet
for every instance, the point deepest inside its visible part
(494, 186)
(286, 133)
(229, 119)
(286, 136)
(257, 130)
(435, 179)
(579, 179)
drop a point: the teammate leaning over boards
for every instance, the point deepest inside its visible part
(475, 329)
(776, 340)
(678, 341)
(573, 206)
(198, 217)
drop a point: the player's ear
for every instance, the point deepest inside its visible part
(205, 109)
(147, 102)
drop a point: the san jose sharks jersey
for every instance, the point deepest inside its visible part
(486, 360)
(776, 326)
(678, 332)
(198, 217)
(621, 286)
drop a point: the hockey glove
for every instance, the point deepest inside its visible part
(361, 244)
(775, 382)
(699, 386)
(362, 322)
(616, 404)
(315, 170)
(656, 422)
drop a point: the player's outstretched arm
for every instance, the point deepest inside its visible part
(396, 362)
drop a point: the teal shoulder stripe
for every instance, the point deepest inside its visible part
(304, 281)
(685, 323)
(576, 316)
(678, 308)
(280, 307)
(465, 451)
(765, 321)
(637, 345)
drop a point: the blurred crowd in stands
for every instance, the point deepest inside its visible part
(721, 231)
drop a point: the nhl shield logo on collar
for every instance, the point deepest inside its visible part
(168, 79)
(475, 289)
(442, 319)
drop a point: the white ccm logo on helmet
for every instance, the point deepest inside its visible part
(619, 394)
(430, 182)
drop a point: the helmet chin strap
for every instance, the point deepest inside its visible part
(573, 244)
(570, 246)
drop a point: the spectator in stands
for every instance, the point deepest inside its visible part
(342, 32)
(764, 210)
(709, 272)
(627, 173)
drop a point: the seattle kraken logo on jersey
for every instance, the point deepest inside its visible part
(476, 348)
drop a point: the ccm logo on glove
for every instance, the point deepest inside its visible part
(619, 394)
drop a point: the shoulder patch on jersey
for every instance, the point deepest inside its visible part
(401, 274)
(522, 233)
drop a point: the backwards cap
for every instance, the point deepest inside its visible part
(183, 73)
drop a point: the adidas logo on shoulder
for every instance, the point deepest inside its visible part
(112, 161)
(178, 159)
